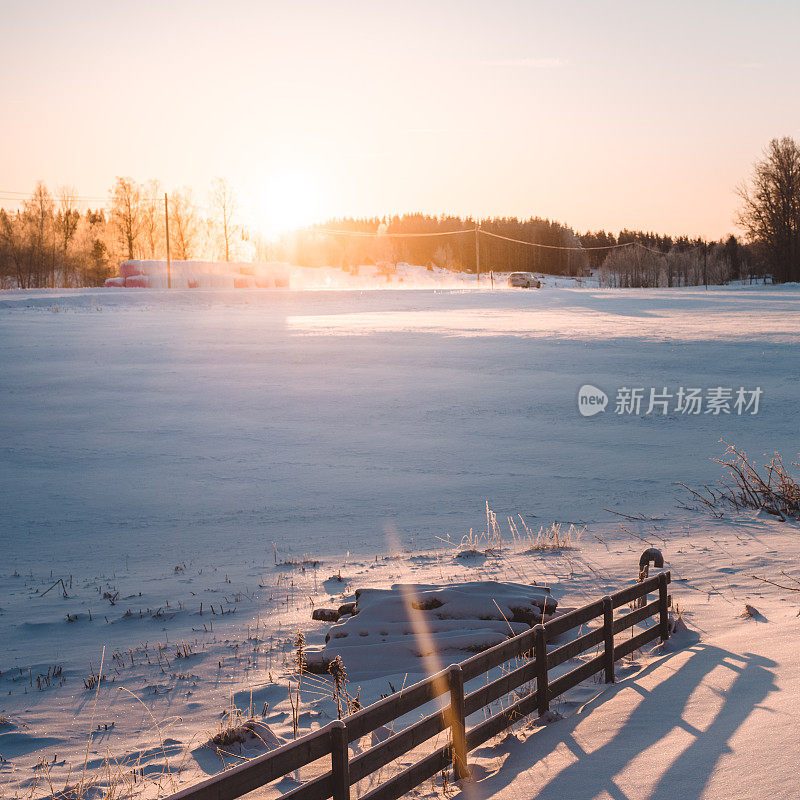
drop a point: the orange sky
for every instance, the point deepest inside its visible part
(643, 115)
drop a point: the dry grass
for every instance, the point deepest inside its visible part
(556, 536)
(114, 779)
(241, 726)
(518, 538)
(231, 727)
(743, 485)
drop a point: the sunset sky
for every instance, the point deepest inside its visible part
(643, 115)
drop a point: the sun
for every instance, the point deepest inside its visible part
(286, 200)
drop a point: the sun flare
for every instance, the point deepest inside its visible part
(286, 200)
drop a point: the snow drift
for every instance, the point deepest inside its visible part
(277, 274)
(201, 275)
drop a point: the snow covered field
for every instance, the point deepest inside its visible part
(160, 450)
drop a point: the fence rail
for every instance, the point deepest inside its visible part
(334, 738)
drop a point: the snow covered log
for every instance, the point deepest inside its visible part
(325, 614)
(383, 635)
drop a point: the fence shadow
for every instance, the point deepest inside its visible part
(659, 713)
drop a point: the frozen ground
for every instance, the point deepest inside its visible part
(155, 445)
(200, 421)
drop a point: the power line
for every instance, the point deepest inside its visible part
(10, 195)
(650, 249)
(29, 195)
(80, 199)
(578, 248)
(554, 246)
(373, 234)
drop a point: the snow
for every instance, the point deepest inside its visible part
(713, 720)
(144, 274)
(458, 621)
(156, 274)
(156, 444)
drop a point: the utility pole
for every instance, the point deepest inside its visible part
(166, 226)
(477, 254)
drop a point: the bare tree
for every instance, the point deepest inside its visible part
(152, 219)
(771, 208)
(7, 273)
(126, 214)
(223, 203)
(38, 214)
(66, 224)
(67, 217)
(16, 250)
(183, 224)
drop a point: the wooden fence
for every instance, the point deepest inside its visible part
(334, 738)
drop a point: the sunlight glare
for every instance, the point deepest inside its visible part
(286, 200)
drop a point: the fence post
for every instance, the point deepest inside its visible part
(651, 554)
(540, 654)
(340, 760)
(608, 638)
(663, 613)
(458, 722)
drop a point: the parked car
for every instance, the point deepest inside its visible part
(523, 280)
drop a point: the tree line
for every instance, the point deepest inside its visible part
(628, 259)
(653, 260)
(49, 242)
(448, 242)
(769, 215)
